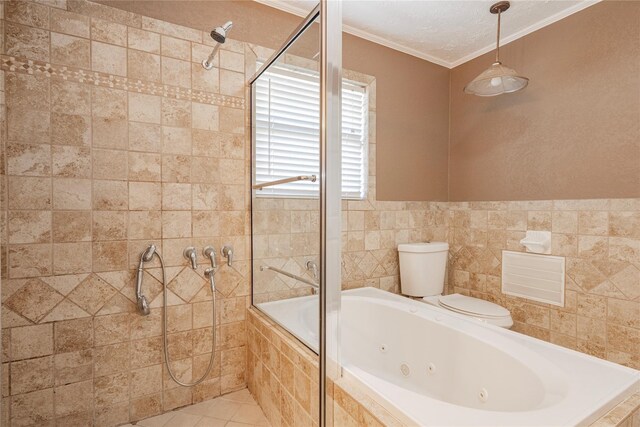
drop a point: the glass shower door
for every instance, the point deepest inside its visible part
(296, 192)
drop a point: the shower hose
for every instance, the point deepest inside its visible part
(209, 273)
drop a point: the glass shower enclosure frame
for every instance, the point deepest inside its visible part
(328, 13)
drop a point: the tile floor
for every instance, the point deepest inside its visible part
(237, 409)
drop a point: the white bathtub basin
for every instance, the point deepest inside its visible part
(432, 367)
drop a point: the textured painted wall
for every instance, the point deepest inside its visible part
(573, 133)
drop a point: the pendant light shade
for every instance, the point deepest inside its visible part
(497, 79)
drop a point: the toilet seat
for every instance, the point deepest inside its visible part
(484, 311)
(472, 306)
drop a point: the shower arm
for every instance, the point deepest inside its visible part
(208, 63)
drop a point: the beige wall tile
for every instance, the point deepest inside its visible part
(111, 329)
(176, 140)
(231, 61)
(109, 225)
(32, 408)
(69, 129)
(71, 194)
(71, 226)
(31, 341)
(205, 80)
(109, 32)
(176, 112)
(144, 167)
(31, 375)
(29, 226)
(176, 224)
(27, 42)
(625, 224)
(144, 195)
(205, 116)
(110, 391)
(176, 168)
(176, 72)
(593, 222)
(69, 23)
(108, 58)
(171, 29)
(143, 65)
(143, 40)
(29, 193)
(110, 133)
(32, 14)
(231, 120)
(28, 159)
(70, 98)
(145, 225)
(71, 161)
(110, 164)
(70, 50)
(72, 398)
(29, 126)
(145, 137)
(232, 83)
(176, 48)
(73, 367)
(110, 256)
(110, 195)
(144, 108)
(73, 335)
(109, 103)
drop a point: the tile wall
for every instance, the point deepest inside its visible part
(601, 242)
(116, 137)
(282, 374)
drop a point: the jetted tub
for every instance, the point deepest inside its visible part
(433, 367)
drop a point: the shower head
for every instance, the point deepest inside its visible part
(148, 254)
(219, 34)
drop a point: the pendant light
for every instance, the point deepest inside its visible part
(497, 79)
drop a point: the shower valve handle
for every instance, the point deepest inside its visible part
(190, 254)
(210, 253)
(227, 252)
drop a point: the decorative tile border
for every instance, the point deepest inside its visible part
(79, 75)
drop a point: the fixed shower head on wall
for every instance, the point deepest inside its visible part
(219, 34)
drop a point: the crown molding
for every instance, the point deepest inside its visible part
(289, 8)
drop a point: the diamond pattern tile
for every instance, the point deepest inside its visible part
(34, 300)
(92, 294)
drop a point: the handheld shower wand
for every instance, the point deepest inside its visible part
(142, 303)
(219, 34)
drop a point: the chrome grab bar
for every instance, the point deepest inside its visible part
(311, 178)
(291, 275)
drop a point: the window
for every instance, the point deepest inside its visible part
(287, 133)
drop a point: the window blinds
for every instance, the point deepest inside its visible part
(287, 133)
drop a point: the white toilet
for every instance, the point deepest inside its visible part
(422, 268)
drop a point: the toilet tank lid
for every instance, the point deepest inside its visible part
(423, 247)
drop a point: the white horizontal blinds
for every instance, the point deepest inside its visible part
(355, 115)
(287, 133)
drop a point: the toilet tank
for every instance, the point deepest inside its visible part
(422, 268)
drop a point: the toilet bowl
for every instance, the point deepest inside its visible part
(422, 272)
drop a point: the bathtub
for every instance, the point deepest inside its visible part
(432, 367)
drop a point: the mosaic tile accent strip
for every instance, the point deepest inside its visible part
(79, 75)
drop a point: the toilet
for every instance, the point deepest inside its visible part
(422, 269)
